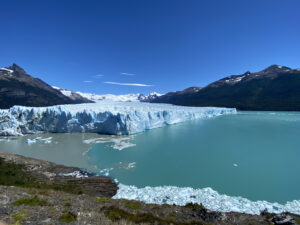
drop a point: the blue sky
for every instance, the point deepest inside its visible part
(94, 46)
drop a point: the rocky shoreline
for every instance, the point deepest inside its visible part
(34, 191)
(54, 174)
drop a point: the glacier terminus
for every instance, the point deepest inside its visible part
(105, 117)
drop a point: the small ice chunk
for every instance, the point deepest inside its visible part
(127, 166)
(105, 172)
(77, 174)
(39, 139)
(30, 141)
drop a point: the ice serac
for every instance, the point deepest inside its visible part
(107, 117)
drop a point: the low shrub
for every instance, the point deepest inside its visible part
(67, 217)
(31, 201)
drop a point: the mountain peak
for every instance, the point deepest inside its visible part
(276, 68)
(247, 73)
(16, 68)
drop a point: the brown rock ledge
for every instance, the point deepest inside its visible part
(54, 174)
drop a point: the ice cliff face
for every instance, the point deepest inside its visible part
(107, 117)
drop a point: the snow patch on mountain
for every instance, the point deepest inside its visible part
(6, 71)
(235, 79)
(63, 91)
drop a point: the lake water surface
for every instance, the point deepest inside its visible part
(251, 154)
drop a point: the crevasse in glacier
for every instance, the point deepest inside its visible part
(107, 117)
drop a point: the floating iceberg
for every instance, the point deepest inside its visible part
(106, 117)
(40, 139)
(210, 198)
(119, 142)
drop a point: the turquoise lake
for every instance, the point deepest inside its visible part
(251, 154)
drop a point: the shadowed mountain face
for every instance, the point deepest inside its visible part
(19, 88)
(274, 88)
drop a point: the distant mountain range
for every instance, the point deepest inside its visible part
(19, 88)
(274, 88)
(117, 98)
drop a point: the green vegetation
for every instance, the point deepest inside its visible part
(12, 174)
(52, 210)
(18, 217)
(31, 201)
(69, 188)
(297, 219)
(67, 217)
(115, 214)
(195, 206)
(102, 200)
(67, 204)
(132, 204)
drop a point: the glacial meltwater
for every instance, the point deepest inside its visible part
(254, 155)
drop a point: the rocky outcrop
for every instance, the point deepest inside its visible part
(54, 174)
(283, 219)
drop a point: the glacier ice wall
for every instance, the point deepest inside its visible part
(105, 117)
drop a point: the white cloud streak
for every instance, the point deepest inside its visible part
(87, 81)
(128, 74)
(99, 75)
(128, 84)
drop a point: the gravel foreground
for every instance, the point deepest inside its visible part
(86, 199)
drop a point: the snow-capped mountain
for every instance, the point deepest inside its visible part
(116, 98)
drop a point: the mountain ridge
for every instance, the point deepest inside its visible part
(19, 88)
(276, 88)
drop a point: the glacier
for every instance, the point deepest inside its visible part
(210, 199)
(105, 117)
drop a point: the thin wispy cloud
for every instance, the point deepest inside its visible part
(87, 81)
(99, 75)
(128, 74)
(128, 84)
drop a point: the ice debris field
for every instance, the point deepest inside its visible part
(210, 199)
(106, 117)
